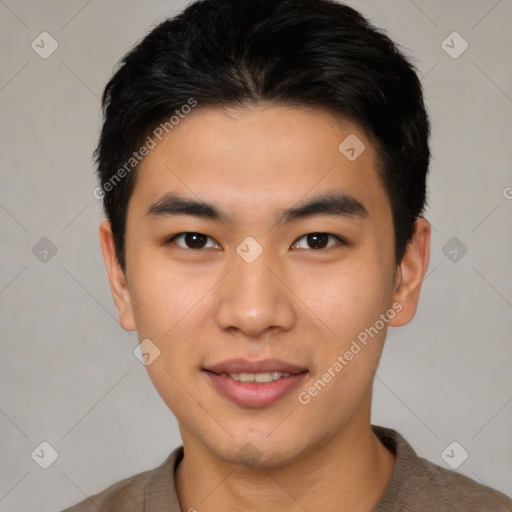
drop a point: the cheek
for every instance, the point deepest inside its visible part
(346, 298)
(170, 305)
(164, 295)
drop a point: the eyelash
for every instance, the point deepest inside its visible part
(174, 237)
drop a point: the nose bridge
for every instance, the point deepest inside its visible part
(253, 298)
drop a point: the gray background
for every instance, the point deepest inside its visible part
(68, 373)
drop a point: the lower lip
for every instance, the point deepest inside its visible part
(255, 394)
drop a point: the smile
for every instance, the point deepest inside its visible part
(254, 383)
(256, 377)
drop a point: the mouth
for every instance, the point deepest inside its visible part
(254, 384)
(255, 377)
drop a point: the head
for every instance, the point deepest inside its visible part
(290, 140)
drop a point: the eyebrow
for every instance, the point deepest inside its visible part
(339, 205)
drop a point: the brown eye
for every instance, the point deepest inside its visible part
(317, 241)
(192, 241)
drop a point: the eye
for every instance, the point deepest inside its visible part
(317, 240)
(192, 241)
(196, 241)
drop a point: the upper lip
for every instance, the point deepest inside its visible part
(244, 366)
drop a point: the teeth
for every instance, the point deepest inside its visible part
(263, 377)
(256, 377)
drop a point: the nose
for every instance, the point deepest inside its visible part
(254, 299)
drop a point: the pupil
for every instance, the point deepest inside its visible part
(195, 240)
(315, 239)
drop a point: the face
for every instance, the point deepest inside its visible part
(287, 267)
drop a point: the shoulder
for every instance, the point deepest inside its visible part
(448, 490)
(418, 485)
(132, 494)
(127, 495)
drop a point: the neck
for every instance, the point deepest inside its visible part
(352, 469)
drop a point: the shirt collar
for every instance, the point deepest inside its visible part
(160, 492)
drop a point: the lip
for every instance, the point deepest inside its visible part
(254, 394)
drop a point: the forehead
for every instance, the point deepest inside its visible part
(253, 160)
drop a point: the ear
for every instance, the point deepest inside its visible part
(116, 277)
(411, 273)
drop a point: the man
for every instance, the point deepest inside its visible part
(263, 170)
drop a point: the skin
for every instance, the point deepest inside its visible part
(295, 302)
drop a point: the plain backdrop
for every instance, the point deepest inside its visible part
(68, 373)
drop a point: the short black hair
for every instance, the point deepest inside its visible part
(238, 53)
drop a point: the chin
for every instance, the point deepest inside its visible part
(258, 451)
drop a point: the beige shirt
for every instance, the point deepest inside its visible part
(416, 485)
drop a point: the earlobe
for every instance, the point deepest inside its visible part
(116, 277)
(411, 273)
